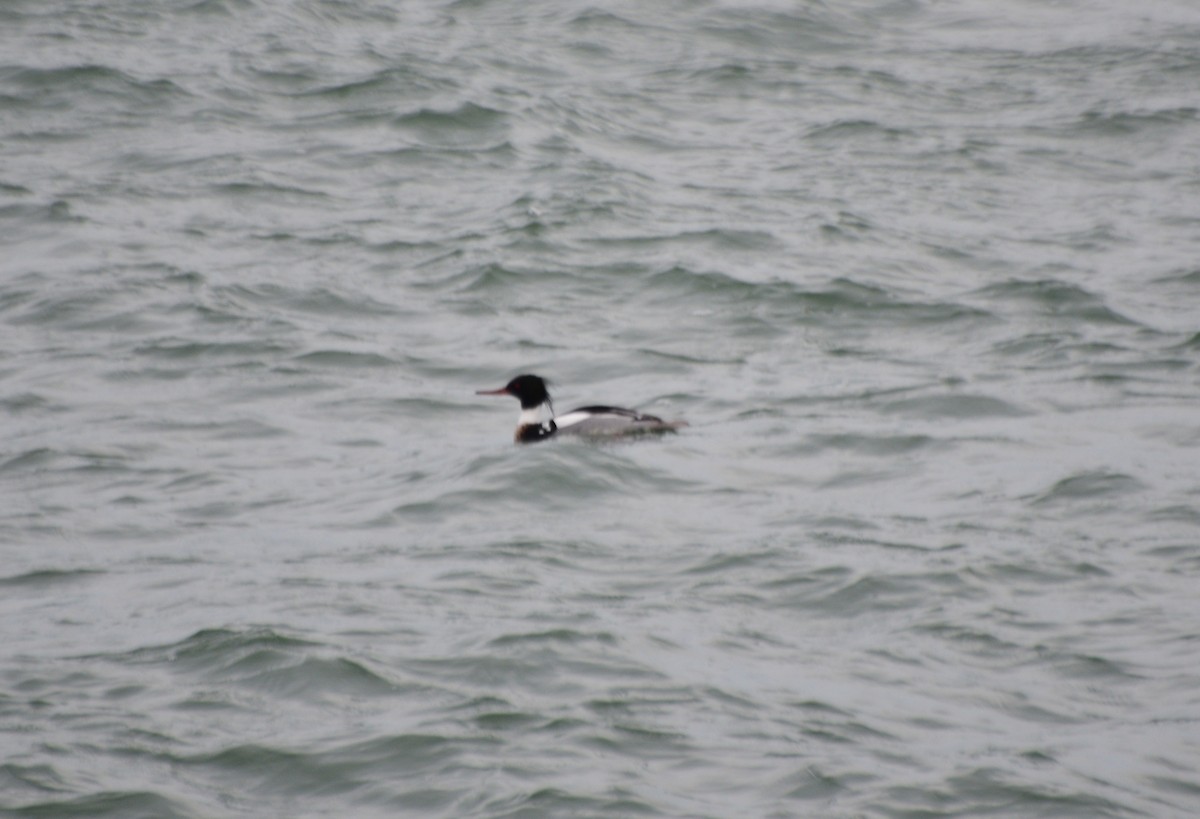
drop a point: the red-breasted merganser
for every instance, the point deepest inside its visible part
(531, 391)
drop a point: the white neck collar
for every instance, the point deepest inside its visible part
(530, 416)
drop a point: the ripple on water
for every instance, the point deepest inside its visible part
(994, 790)
(389, 770)
(264, 661)
(882, 446)
(114, 804)
(466, 127)
(841, 300)
(1092, 485)
(1055, 298)
(548, 476)
(957, 405)
(46, 578)
(107, 88)
(840, 592)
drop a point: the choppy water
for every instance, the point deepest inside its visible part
(922, 276)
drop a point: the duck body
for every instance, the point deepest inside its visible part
(595, 421)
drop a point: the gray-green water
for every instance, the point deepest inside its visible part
(922, 276)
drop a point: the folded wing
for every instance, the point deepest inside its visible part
(601, 420)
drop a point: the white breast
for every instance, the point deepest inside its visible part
(530, 417)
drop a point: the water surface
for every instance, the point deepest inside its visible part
(921, 276)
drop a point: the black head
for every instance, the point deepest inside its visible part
(530, 390)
